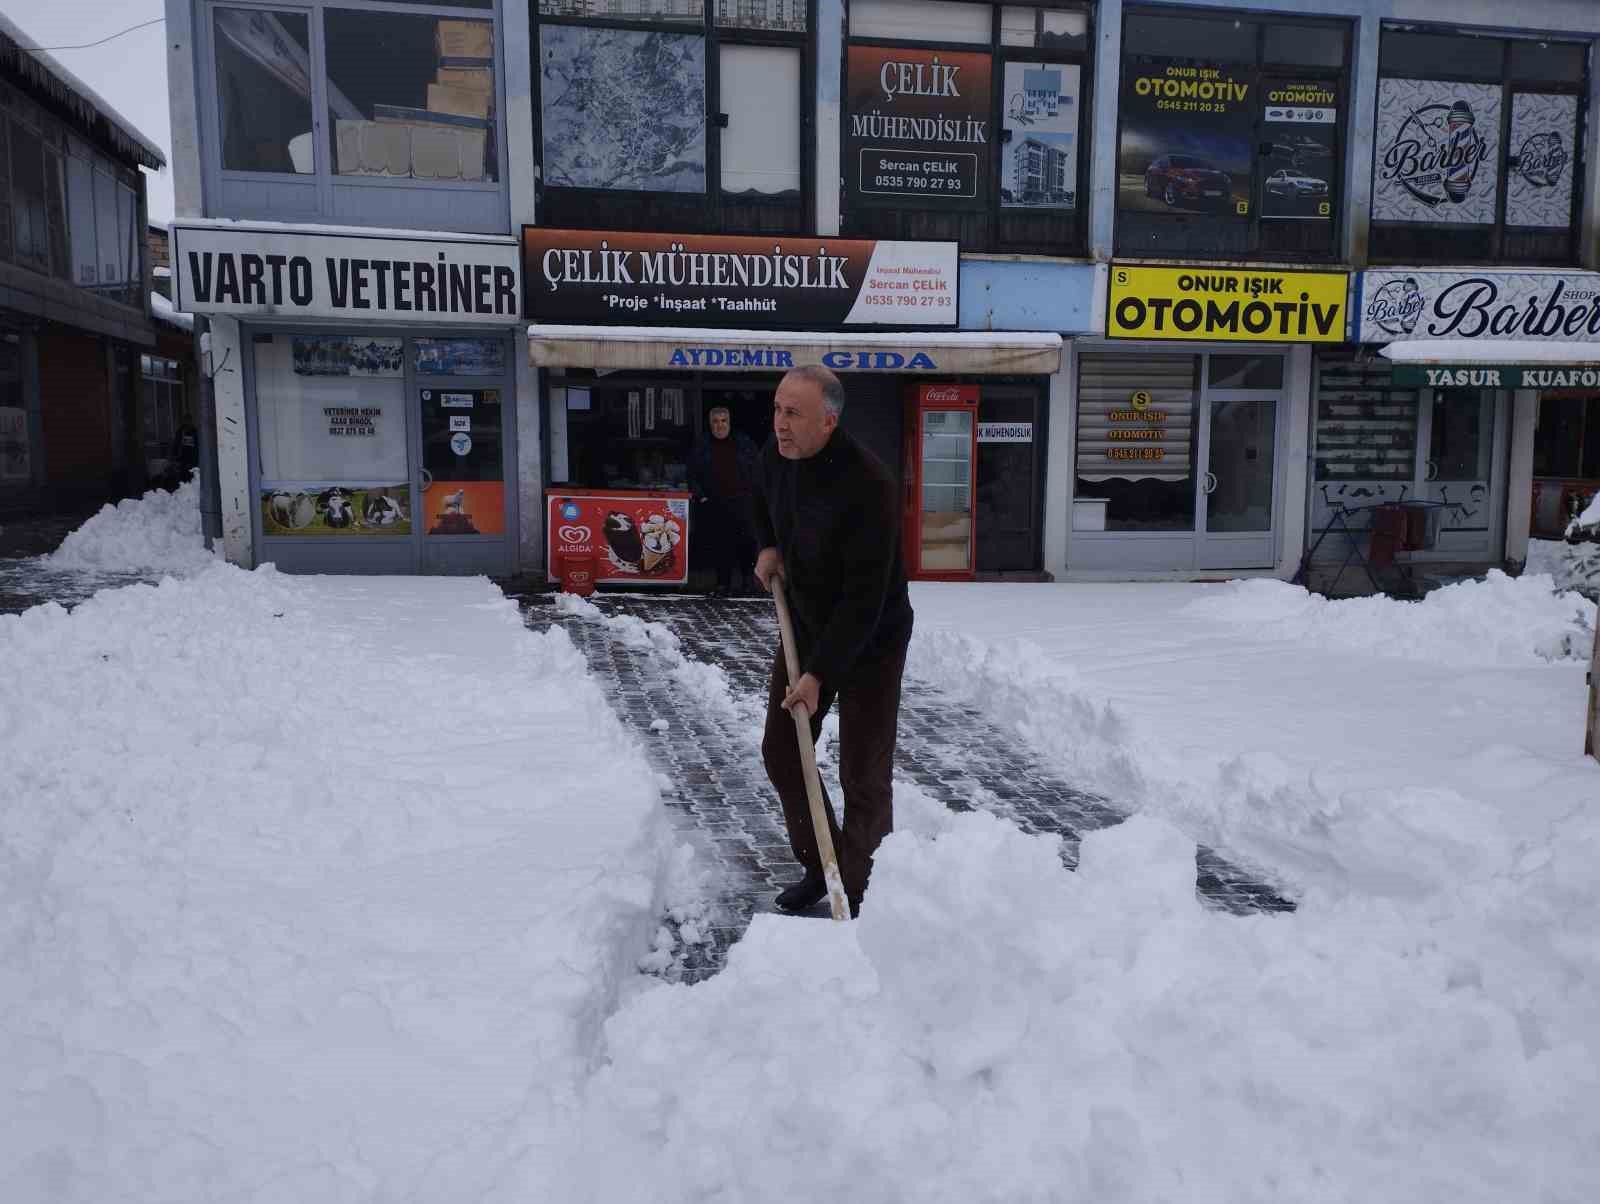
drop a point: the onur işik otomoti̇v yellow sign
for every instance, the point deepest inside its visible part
(1220, 304)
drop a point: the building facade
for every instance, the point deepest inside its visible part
(74, 310)
(1122, 290)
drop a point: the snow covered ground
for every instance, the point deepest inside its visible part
(311, 889)
(1570, 565)
(332, 890)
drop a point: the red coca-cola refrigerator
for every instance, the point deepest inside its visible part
(941, 451)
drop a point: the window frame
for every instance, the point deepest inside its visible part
(1496, 232)
(1341, 82)
(323, 179)
(864, 221)
(676, 212)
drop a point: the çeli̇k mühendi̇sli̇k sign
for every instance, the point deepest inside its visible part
(630, 278)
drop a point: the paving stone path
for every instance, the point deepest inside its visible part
(721, 799)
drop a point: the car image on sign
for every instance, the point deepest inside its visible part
(1286, 183)
(1183, 181)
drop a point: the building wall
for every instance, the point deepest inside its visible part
(79, 414)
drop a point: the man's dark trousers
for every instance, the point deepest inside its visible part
(869, 713)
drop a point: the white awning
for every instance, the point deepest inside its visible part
(655, 348)
(1490, 351)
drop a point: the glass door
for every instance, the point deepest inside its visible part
(945, 530)
(1238, 485)
(1458, 433)
(1010, 442)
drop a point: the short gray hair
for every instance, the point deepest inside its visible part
(715, 410)
(827, 384)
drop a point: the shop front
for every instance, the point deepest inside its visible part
(712, 324)
(377, 381)
(1187, 417)
(1446, 399)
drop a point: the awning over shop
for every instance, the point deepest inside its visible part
(1495, 364)
(651, 348)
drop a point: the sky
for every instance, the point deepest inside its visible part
(129, 72)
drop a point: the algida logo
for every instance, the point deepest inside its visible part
(1218, 304)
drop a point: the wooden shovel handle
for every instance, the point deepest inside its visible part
(808, 764)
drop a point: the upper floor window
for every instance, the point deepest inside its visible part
(314, 100)
(65, 210)
(1476, 153)
(1231, 136)
(967, 122)
(673, 114)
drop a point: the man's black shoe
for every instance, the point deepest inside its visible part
(807, 892)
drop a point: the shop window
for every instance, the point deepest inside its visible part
(406, 90)
(1245, 372)
(1460, 435)
(1366, 430)
(30, 225)
(410, 96)
(666, 115)
(1566, 442)
(1233, 147)
(81, 222)
(967, 122)
(627, 435)
(1136, 485)
(6, 245)
(1476, 150)
(459, 357)
(55, 207)
(263, 63)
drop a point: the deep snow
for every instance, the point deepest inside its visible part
(331, 889)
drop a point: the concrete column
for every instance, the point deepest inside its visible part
(1358, 149)
(530, 462)
(1058, 461)
(183, 103)
(830, 58)
(520, 149)
(1296, 469)
(226, 365)
(1103, 161)
(1519, 477)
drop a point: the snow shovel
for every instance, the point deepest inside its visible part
(808, 765)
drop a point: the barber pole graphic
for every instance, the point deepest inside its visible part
(1438, 151)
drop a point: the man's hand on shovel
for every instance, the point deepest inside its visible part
(804, 693)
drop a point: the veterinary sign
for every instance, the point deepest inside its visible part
(1226, 305)
(295, 274)
(622, 535)
(1545, 307)
(917, 126)
(352, 421)
(719, 280)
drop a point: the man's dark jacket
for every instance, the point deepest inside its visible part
(835, 519)
(702, 478)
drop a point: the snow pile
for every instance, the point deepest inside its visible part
(1589, 520)
(311, 889)
(995, 1028)
(1569, 565)
(159, 532)
(1498, 621)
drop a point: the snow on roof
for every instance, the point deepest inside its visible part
(20, 55)
(1490, 351)
(161, 309)
(777, 338)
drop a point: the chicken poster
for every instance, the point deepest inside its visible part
(1299, 150)
(620, 535)
(1186, 138)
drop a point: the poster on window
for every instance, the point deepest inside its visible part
(349, 355)
(1039, 159)
(1186, 138)
(636, 537)
(917, 127)
(1544, 131)
(336, 509)
(1437, 152)
(623, 108)
(1299, 139)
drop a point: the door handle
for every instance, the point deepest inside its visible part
(1211, 482)
(427, 480)
(1431, 472)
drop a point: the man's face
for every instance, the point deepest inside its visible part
(800, 420)
(720, 426)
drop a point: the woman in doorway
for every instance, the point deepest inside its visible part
(722, 473)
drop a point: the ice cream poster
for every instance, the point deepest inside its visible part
(642, 537)
(1438, 152)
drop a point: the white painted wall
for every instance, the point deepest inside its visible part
(182, 100)
(1059, 459)
(1519, 481)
